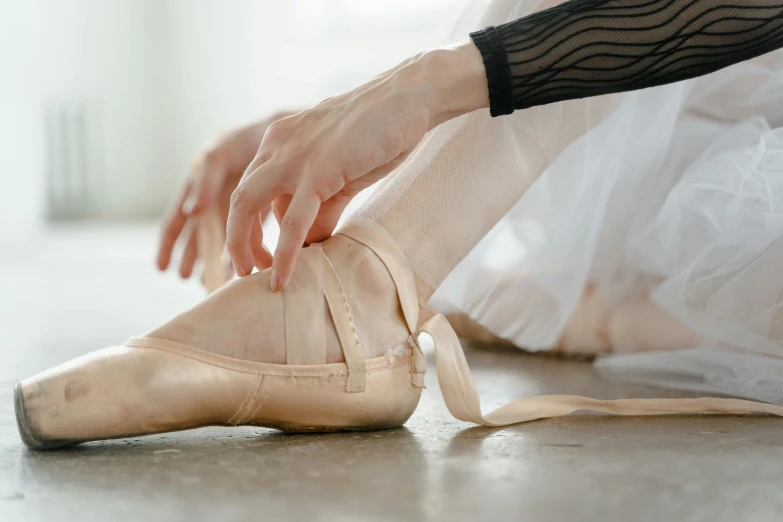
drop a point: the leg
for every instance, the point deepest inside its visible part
(465, 176)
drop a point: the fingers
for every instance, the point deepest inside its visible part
(253, 195)
(280, 206)
(293, 230)
(206, 185)
(190, 254)
(325, 222)
(228, 265)
(262, 258)
(328, 216)
(199, 194)
(173, 224)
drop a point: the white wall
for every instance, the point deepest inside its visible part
(108, 56)
(21, 180)
(233, 61)
(161, 77)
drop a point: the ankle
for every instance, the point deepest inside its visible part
(371, 294)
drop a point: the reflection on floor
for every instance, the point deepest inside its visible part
(81, 290)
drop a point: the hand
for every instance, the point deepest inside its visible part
(213, 177)
(311, 164)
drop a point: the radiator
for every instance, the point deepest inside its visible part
(75, 173)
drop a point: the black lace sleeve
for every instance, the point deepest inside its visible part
(585, 48)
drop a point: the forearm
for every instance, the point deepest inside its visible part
(585, 48)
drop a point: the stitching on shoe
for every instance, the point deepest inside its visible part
(350, 319)
(246, 402)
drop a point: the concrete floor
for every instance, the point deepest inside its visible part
(585, 468)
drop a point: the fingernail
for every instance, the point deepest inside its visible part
(274, 281)
(189, 204)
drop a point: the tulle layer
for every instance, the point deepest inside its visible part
(667, 204)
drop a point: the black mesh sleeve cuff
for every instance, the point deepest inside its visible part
(583, 48)
(498, 71)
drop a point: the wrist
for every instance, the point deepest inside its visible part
(454, 81)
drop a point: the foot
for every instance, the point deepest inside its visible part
(168, 380)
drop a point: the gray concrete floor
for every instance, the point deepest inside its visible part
(70, 296)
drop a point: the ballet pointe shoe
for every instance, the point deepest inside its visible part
(468, 329)
(155, 385)
(582, 339)
(597, 328)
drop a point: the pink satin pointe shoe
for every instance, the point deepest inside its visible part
(155, 384)
(596, 328)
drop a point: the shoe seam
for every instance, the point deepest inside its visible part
(417, 377)
(258, 407)
(248, 399)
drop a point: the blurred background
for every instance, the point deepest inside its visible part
(103, 105)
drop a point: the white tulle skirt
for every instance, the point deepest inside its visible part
(654, 236)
